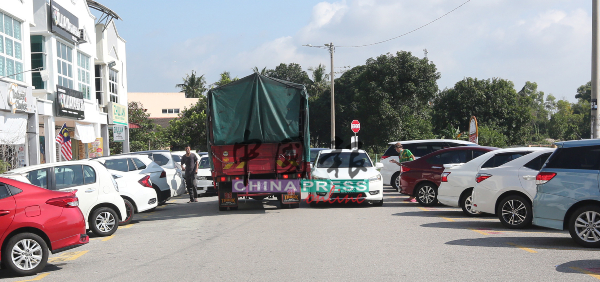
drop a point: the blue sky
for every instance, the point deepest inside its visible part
(544, 41)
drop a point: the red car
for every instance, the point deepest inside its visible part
(421, 178)
(34, 221)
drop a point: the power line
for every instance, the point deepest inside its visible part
(356, 46)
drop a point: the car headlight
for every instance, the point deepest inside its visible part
(375, 178)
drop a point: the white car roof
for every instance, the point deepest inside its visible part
(144, 158)
(46, 165)
(432, 140)
(524, 159)
(340, 151)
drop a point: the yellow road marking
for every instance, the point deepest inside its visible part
(422, 208)
(160, 207)
(67, 256)
(448, 219)
(595, 275)
(522, 248)
(171, 201)
(108, 238)
(479, 231)
(126, 226)
(39, 277)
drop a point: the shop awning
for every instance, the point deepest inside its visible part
(13, 128)
(85, 132)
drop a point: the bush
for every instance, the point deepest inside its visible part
(490, 136)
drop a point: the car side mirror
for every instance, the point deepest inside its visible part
(116, 176)
(379, 165)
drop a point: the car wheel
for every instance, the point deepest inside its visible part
(104, 221)
(584, 226)
(129, 211)
(515, 212)
(427, 194)
(396, 181)
(466, 203)
(25, 254)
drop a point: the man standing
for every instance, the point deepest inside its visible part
(189, 164)
(404, 156)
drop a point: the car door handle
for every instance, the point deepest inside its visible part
(529, 177)
(436, 167)
(4, 213)
(90, 190)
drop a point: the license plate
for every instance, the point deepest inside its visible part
(346, 190)
(228, 202)
(291, 198)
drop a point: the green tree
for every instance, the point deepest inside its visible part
(189, 129)
(148, 137)
(537, 128)
(494, 102)
(320, 81)
(585, 92)
(193, 86)
(292, 72)
(261, 72)
(225, 79)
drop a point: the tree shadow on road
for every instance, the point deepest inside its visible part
(580, 266)
(564, 243)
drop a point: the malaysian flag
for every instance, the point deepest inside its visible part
(64, 140)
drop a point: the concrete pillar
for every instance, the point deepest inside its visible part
(105, 139)
(33, 139)
(126, 142)
(50, 133)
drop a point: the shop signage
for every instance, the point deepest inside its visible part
(64, 23)
(95, 149)
(117, 114)
(118, 133)
(69, 103)
(16, 98)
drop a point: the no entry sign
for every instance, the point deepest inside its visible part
(355, 126)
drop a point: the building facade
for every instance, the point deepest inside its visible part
(71, 69)
(162, 107)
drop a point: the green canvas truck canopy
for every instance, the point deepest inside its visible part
(257, 109)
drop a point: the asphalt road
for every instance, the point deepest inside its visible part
(397, 242)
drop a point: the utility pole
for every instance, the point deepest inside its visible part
(331, 50)
(595, 68)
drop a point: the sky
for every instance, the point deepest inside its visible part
(542, 41)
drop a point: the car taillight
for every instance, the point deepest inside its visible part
(163, 174)
(65, 202)
(145, 181)
(544, 177)
(445, 176)
(405, 168)
(384, 157)
(482, 176)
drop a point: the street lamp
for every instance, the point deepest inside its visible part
(331, 49)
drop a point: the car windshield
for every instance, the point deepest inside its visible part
(204, 163)
(342, 160)
(313, 155)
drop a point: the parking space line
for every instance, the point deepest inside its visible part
(108, 238)
(126, 226)
(595, 275)
(67, 256)
(522, 248)
(448, 219)
(39, 277)
(479, 231)
(424, 209)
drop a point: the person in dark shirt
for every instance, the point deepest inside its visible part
(189, 164)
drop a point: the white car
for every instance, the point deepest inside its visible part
(204, 180)
(458, 180)
(98, 194)
(134, 175)
(390, 171)
(508, 190)
(345, 164)
(174, 175)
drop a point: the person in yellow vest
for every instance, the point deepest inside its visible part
(404, 155)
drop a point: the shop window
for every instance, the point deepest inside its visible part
(98, 70)
(65, 65)
(83, 74)
(113, 85)
(38, 61)
(11, 48)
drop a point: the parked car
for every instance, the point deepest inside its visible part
(568, 195)
(34, 221)
(134, 175)
(348, 164)
(314, 152)
(97, 191)
(458, 180)
(422, 177)
(390, 171)
(165, 160)
(508, 190)
(204, 180)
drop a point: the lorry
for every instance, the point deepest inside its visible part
(258, 136)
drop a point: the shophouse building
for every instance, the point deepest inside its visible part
(162, 107)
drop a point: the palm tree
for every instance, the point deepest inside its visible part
(261, 72)
(225, 79)
(320, 81)
(193, 86)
